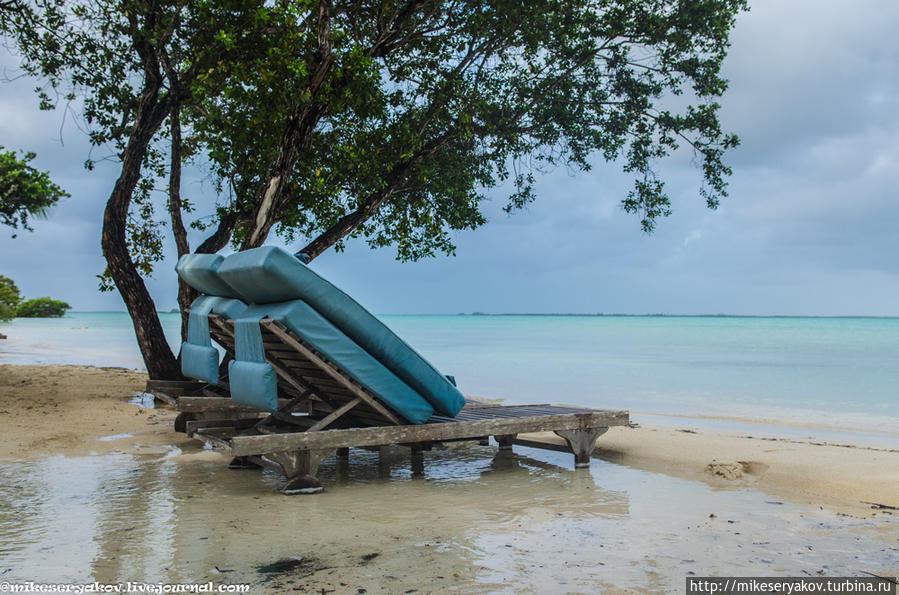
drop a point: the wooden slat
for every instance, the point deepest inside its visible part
(300, 367)
(303, 421)
(214, 392)
(164, 397)
(357, 390)
(322, 381)
(507, 411)
(282, 370)
(327, 420)
(174, 388)
(195, 404)
(191, 426)
(248, 445)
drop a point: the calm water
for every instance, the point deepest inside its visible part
(475, 521)
(840, 372)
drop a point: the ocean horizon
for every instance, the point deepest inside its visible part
(826, 372)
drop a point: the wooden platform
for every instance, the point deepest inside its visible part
(502, 422)
(298, 453)
(323, 410)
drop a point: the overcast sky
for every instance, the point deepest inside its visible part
(808, 229)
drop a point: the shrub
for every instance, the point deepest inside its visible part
(43, 307)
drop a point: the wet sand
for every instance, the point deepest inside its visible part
(844, 477)
(95, 488)
(65, 410)
(69, 409)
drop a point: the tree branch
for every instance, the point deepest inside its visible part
(368, 207)
(222, 235)
(297, 131)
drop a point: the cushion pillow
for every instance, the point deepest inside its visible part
(200, 361)
(254, 384)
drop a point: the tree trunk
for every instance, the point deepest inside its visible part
(222, 235)
(186, 293)
(158, 357)
(344, 226)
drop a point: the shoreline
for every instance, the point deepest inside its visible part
(69, 410)
(849, 479)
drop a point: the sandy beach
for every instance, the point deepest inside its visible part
(99, 488)
(68, 410)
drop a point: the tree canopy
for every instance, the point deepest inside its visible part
(24, 191)
(9, 298)
(389, 121)
(396, 125)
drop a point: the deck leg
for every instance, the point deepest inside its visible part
(581, 443)
(181, 421)
(243, 463)
(342, 462)
(300, 467)
(505, 441)
(418, 460)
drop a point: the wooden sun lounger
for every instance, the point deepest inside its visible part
(322, 410)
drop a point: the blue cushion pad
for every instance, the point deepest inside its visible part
(199, 359)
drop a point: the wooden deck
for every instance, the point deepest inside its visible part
(323, 410)
(297, 453)
(502, 422)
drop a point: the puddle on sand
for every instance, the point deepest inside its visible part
(467, 520)
(113, 437)
(144, 400)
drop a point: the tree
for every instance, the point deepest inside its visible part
(133, 63)
(24, 191)
(328, 121)
(9, 298)
(43, 307)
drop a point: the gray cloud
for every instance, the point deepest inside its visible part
(808, 228)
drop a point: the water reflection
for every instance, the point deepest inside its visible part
(462, 518)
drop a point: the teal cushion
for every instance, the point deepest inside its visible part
(254, 384)
(269, 274)
(200, 271)
(198, 321)
(325, 338)
(200, 361)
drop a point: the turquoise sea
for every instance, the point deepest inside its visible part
(812, 372)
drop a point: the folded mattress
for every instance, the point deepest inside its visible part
(271, 275)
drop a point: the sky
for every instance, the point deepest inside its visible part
(809, 227)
